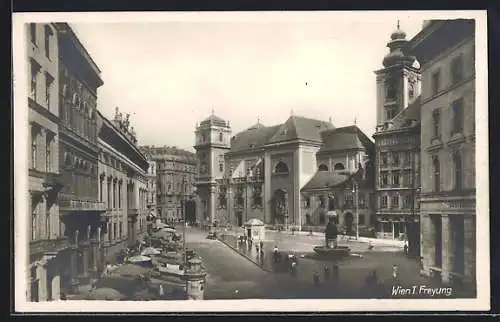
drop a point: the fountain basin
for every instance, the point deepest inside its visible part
(332, 252)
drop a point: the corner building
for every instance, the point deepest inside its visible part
(446, 51)
(122, 187)
(80, 209)
(175, 171)
(259, 172)
(397, 144)
(47, 243)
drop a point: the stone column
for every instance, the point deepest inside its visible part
(42, 281)
(73, 269)
(470, 248)
(85, 259)
(212, 204)
(95, 254)
(428, 234)
(267, 195)
(447, 248)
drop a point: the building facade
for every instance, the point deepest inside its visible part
(343, 186)
(397, 143)
(260, 172)
(80, 209)
(174, 171)
(46, 242)
(122, 186)
(446, 51)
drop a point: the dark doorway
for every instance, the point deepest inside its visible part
(438, 239)
(280, 207)
(249, 233)
(190, 211)
(239, 218)
(457, 231)
(413, 235)
(348, 220)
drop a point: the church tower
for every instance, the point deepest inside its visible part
(213, 141)
(398, 83)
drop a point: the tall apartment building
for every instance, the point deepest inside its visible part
(122, 186)
(81, 212)
(46, 240)
(397, 143)
(175, 178)
(446, 51)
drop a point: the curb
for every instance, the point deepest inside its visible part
(244, 256)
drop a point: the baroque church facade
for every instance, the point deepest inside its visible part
(271, 173)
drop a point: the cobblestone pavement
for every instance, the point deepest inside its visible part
(353, 270)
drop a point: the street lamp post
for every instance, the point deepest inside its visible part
(183, 214)
(356, 196)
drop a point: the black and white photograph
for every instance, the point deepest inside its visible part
(251, 161)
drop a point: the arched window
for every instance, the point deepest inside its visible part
(338, 167)
(281, 168)
(457, 163)
(437, 173)
(323, 167)
(221, 137)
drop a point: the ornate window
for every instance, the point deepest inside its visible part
(384, 178)
(395, 159)
(49, 80)
(436, 123)
(48, 39)
(35, 70)
(457, 164)
(435, 84)
(257, 196)
(348, 199)
(390, 89)
(383, 202)
(281, 168)
(361, 200)
(323, 167)
(395, 178)
(221, 137)
(457, 69)
(458, 121)
(34, 150)
(437, 173)
(307, 202)
(395, 201)
(48, 147)
(33, 33)
(322, 202)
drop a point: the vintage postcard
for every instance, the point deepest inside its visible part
(251, 161)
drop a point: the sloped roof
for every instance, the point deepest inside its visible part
(322, 179)
(410, 113)
(252, 138)
(300, 128)
(345, 138)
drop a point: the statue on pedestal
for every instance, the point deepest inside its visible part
(331, 233)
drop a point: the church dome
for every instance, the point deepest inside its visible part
(396, 45)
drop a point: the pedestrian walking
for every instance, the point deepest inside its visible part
(405, 248)
(261, 243)
(293, 268)
(276, 254)
(316, 278)
(327, 273)
(336, 272)
(395, 272)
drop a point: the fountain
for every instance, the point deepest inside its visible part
(331, 249)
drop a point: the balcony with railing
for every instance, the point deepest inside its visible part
(74, 203)
(44, 246)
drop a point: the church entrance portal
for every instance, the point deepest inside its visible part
(280, 211)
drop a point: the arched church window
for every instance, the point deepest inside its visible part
(323, 167)
(281, 168)
(338, 167)
(390, 89)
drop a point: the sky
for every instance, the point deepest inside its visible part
(170, 75)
